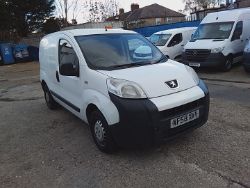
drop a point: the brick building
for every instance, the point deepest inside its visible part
(147, 16)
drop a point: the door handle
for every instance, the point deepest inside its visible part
(57, 76)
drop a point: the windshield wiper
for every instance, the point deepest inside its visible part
(129, 65)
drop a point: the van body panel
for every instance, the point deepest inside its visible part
(190, 95)
(155, 86)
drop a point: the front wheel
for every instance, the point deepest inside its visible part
(247, 69)
(101, 133)
(228, 65)
(51, 103)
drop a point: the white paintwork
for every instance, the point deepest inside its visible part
(229, 47)
(91, 88)
(178, 99)
(174, 52)
(152, 78)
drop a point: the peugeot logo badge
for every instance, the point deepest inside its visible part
(172, 84)
(195, 53)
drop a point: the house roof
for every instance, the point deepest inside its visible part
(151, 11)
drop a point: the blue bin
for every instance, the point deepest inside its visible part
(7, 53)
(1, 58)
(21, 53)
(34, 53)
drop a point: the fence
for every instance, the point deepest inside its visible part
(148, 31)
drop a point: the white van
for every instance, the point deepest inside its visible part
(219, 40)
(171, 42)
(120, 84)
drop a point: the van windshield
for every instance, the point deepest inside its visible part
(160, 39)
(118, 51)
(221, 30)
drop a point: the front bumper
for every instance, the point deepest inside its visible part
(246, 61)
(211, 60)
(142, 124)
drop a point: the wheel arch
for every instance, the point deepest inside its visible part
(94, 100)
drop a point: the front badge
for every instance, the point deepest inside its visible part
(172, 84)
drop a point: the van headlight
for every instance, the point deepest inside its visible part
(125, 89)
(194, 74)
(217, 50)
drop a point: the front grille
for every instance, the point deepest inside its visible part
(166, 114)
(197, 55)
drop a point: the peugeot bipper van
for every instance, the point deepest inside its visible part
(171, 42)
(122, 86)
(219, 40)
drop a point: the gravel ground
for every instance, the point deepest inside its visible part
(43, 148)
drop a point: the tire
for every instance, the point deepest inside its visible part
(51, 103)
(228, 65)
(247, 69)
(101, 133)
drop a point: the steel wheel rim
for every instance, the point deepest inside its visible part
(228, 64)
(99, 132)
(47, 96)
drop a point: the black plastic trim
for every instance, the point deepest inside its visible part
(142, 125)
(65, 101)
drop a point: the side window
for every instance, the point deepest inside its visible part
(68, 60)
(238, 31)
(177, 39)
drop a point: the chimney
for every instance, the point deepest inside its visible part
(121, 11)
(134, 7)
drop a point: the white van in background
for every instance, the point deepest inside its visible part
(219, 40)
(171, 42)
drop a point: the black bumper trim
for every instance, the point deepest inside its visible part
(142, 125)
(246, 61)
(65, 101)
(212, 60)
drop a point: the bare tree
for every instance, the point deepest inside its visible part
(63, 7)
(191, 5)
(100, 10)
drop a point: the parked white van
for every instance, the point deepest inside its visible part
(120, 84)
(171, 42)
(219, 40)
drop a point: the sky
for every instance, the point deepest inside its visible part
(172, 4)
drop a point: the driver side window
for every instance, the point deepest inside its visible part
(238, 31)
(177, 39)
(67, 56)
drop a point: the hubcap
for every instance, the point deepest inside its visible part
(228, 64)
(99, 131)
(47, 96)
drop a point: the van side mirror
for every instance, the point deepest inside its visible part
(68, 69)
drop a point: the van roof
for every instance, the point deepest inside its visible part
(177, 30)
(225, 16)
(80, 32)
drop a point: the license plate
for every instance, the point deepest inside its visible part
(194, 64)
(186, 118)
